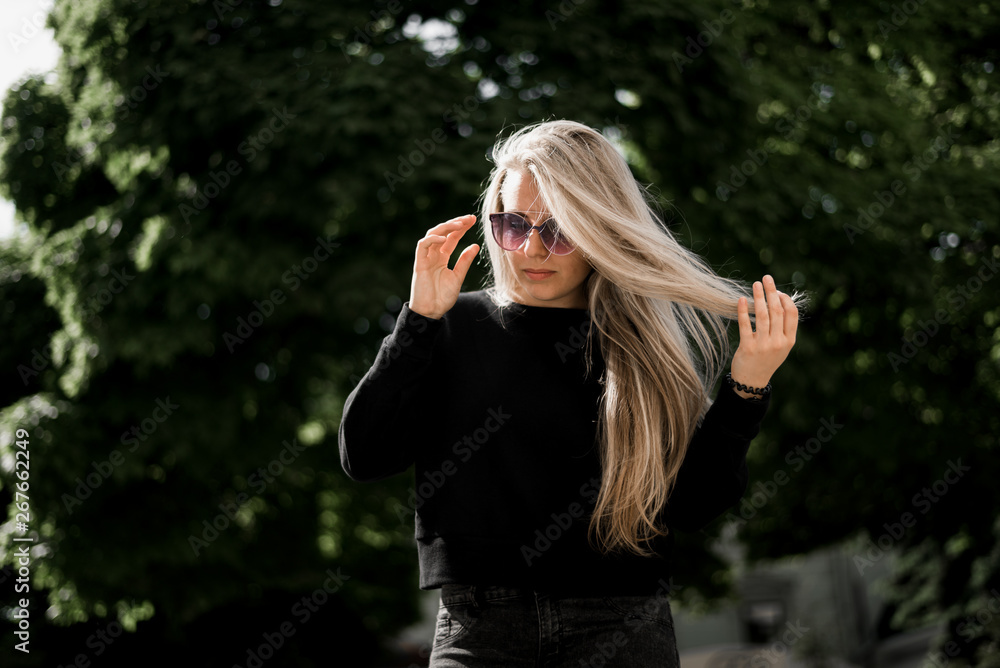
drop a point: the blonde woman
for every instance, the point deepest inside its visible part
(559, 420)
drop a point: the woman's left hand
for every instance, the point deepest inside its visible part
(761, 352)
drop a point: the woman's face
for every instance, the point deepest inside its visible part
(562, 283)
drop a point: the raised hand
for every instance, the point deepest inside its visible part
(434, 288)
(761, 352)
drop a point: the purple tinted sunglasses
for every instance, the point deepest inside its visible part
(511, 230)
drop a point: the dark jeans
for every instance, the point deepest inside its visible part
(513, 627)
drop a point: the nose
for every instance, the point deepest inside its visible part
(533, 246)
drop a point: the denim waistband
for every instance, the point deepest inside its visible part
(479, 594)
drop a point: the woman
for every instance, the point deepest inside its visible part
(560, 420)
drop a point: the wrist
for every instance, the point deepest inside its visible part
(427, 314)
(757, 391)
(747, 395)
(750, 381)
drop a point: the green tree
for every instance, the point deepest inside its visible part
(224, 198)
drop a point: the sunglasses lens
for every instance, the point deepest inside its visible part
(510, 231)
(555, 241)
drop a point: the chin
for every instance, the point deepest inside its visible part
(547, 293)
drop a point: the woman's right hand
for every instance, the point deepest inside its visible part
(434, 288)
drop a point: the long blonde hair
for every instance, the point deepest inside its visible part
(645, 295)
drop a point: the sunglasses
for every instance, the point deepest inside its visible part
(511, 230)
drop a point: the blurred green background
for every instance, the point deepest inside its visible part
(221, 203)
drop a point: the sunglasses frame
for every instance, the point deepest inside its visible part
(496, 220)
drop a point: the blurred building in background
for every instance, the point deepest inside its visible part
(821, 609)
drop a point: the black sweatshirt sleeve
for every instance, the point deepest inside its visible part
(714, 475)
(383, 424)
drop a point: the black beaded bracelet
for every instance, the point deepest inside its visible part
(762, 391)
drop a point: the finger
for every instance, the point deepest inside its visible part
(791, 317)
(465, 261)
(461, 221)
(775, 311)
(431, 240)
(743, 317)
(453, 238)
(760, 309)
(453, 231)
(426, 245)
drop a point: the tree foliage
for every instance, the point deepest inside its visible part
(224, 198)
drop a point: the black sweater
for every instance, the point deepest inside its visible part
(501, 425)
